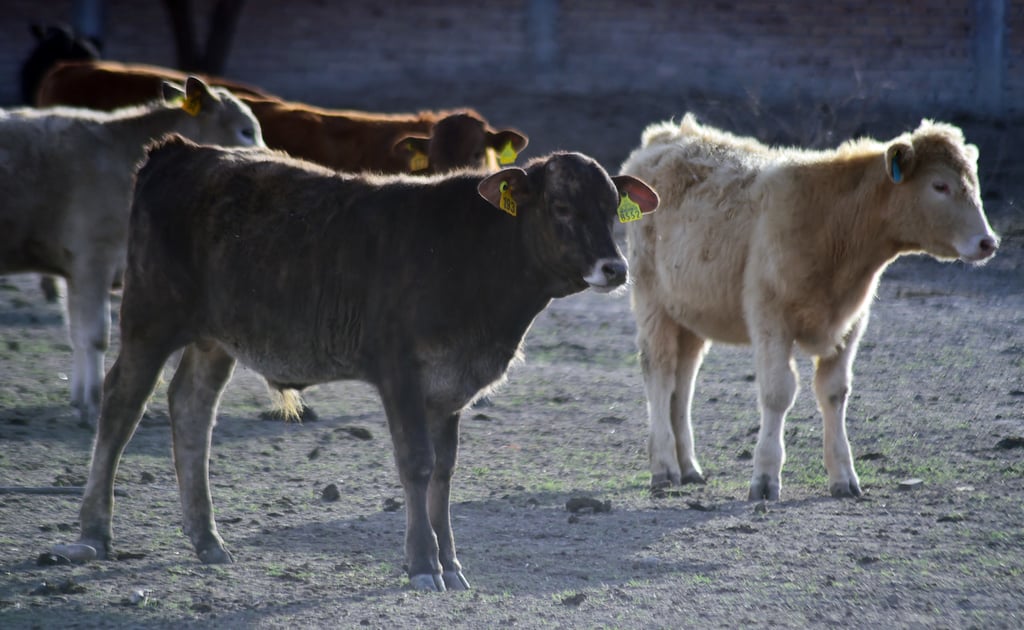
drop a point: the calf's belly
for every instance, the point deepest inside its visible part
(293, 367)
(706, 303)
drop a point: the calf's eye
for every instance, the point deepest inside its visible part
(248, 134)
(941, 187)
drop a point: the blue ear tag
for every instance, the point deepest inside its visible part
(897, 176)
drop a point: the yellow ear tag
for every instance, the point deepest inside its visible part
(191, 105)
(507, 203)
(508, 154)
(418, 161)
(628, 209)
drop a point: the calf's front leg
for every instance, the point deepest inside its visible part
(670, 357)
(414, 456)
(89, 324)
(444, 432)
(777, 387)
(832, 378)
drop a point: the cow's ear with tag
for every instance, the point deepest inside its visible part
(413, 150)
(505, 190)
(198, 96)
(172, 92)
(899, 161)
(636, 198)
(507, 144)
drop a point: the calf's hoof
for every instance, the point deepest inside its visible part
(692, 476)
(661, 481)
(846, 489)
(427, 582)
(455, 581)
(88, 417)
(764, 488)
(48, 285)
(215, 555)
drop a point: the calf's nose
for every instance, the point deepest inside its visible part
(614, 272)
(987, 246)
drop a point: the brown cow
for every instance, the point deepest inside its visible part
(346, 140)
(782, 248)
(423, 143)
(102, 85)
(424, 287)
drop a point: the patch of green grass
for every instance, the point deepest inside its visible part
(698, 579)
(284, 572)
(553, 486)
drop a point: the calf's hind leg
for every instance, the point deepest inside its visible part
(128, 385)
(193, 394)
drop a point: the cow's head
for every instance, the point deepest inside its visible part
(218, 117)
(54, 43)
(459, 140)
(935, 174)
(567, 205)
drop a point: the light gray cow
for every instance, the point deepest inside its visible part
(65, 190)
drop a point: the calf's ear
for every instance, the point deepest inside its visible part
(972, 152)
(899, 161)
(507, 143)
(171, 91)
(198, 96)
(505, 189)
(413, 149)
(641, 194)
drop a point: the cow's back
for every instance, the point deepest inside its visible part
(108, 85)
(345, 140)
(692, 254)
(51, 161)
(305, 249)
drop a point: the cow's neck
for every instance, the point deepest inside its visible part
(136, 128)
(854, 249)
(515, 290)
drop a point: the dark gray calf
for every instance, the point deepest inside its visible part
(423, 287)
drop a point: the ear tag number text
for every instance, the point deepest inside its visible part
(507, 203)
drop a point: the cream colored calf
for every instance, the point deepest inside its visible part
(65, 191)
(776, 248)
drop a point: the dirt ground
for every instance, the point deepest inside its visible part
(937, 398)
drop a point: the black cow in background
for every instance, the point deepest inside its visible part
(54, 43)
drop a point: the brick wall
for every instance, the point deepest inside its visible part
(920, 54)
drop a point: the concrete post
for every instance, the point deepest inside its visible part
(989, 52)
(542, 38)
